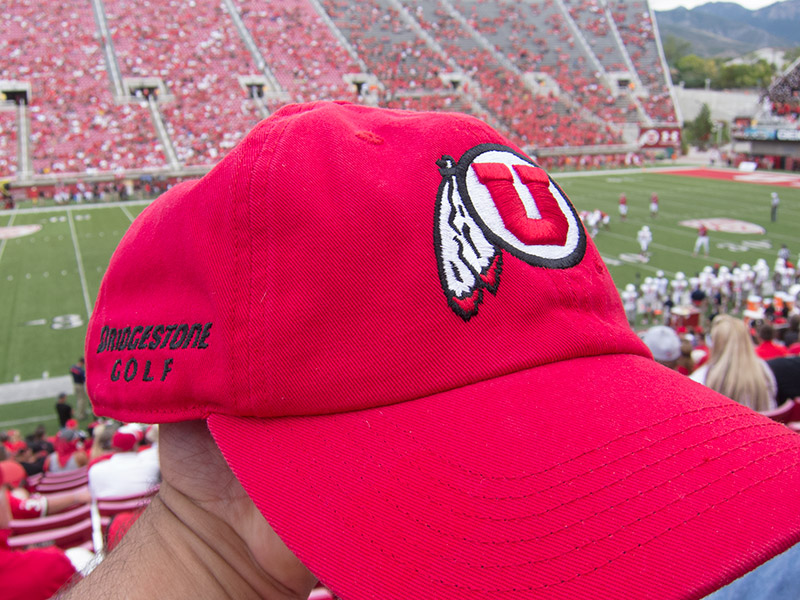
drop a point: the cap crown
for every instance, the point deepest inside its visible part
(307, 274)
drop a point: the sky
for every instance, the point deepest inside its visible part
(670, 4)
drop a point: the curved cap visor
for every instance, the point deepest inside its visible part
(561, 481)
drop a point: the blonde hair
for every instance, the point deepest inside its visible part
(734, 370)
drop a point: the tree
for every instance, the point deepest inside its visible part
(675, 48)
(791, 55)
(756, 75)
(698, 131)
(693, 70)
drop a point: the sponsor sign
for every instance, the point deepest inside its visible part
(757, 134)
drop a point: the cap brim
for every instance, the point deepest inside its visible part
(575, 478)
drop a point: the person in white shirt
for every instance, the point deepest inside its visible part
(127, 472)
(644, 237)
(774, 202)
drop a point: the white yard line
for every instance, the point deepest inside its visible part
(5, 424)
(127, 212)
(670, 249)
(5, 240)
(80, 266)
(71, 207)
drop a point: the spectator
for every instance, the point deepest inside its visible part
(767, 348)
(733, 368)
(786, 370)
(13, 442)
(102, 449)
(518, 443)
(127, 472)
(68, 455)
(665, 345)
(35, 506)
(63, 409)
(31, 574)
(38, 448)
(685, 364)
(11, 472)
(78, 373)
(790, 335)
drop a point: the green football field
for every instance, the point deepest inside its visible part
(50, 278)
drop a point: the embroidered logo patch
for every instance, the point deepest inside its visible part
(496, 199)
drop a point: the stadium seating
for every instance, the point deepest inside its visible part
(787, 413)
(8, 142)
(57, 521)
(301, 50)
(68, 536)
(75, 123)
(60, 482)
(387, 44)
(195, 49)
(103, 510)
(526, 119)
(634, 23)
(201, 55)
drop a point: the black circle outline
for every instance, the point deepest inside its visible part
(565, 262)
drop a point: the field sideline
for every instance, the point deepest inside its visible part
(50, 276)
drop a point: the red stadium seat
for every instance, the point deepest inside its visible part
(68, 536)
(65, 475)
(70, 517)
(784, 413)
(787, 413)
(48, 487)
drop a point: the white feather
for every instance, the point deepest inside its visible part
(466, 253)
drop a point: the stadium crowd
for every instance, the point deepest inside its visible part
(50, 486)
(68, 499)
(75, 123)
(197, 74)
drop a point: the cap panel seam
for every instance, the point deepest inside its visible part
(272, 137)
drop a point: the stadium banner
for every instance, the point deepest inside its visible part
(659, 137)
(782, 135)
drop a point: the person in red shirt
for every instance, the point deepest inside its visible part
(702, 240)
(37, 506)
(768, 349)
(29, 574)
(623, 206)
(13, 442)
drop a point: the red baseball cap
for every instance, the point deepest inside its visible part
(123, 441)
(415, 361)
